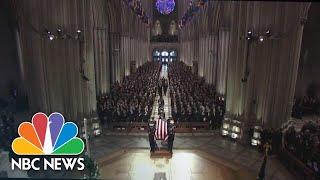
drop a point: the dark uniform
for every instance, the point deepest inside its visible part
(161, 102)
(170, 137)
(151, 140)
(160, 89)
(165, 86)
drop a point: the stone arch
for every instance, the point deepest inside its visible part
(309, 65)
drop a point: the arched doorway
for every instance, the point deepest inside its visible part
(164, 55)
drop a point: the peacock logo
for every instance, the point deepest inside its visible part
(48, 136)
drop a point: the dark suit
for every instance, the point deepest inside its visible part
(165, 86)
(170, 136)
(151, 141)
(160, 89)
(170, 141)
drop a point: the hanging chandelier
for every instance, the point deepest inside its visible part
(194, 7)
(165, 6)
(137, 8)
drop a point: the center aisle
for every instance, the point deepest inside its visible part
(166, 98)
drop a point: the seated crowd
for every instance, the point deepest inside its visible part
(131, 100)
(192, 99)
(8, 128)
(308, 105)
(305, 145)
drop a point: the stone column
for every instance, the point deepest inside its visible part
(52, 68)
(266, 95)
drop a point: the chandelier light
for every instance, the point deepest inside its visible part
(194, 7)
(137, 8)
(165, 6)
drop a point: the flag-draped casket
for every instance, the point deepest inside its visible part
(161, 132)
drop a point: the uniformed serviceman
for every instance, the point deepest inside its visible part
(170, 135)
(151, 138)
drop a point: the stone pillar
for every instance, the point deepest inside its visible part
(52, 68)
(265, 98)
(223, 43)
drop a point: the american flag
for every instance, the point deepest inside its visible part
(161, 132)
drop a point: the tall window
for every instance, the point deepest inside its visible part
(173, 55)
(164, 55)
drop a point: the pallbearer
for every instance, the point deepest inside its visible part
(170, 134)
(160, 88)
(165, 85)
(151, 137)
(161, 102)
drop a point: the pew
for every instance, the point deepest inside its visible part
(296, 165)
(180, 127)
(129, 126)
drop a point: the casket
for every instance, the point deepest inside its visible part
(161, 132)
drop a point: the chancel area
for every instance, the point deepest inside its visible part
(160, 89)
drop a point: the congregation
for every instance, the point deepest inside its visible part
(132, 99)
(192, 99)
(305, 145)
(308, 105)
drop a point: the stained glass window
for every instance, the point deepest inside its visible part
(165, 6)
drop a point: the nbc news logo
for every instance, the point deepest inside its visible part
(48, 136)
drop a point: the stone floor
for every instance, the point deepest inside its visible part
(184, 164)
(214, 145)
(231, 159)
